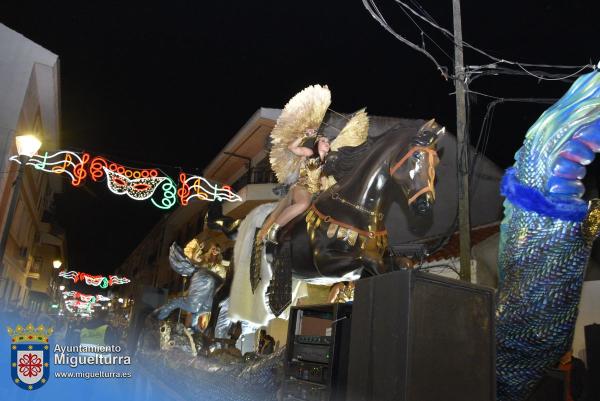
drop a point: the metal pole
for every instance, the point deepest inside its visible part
(11, 211)
(462, 148)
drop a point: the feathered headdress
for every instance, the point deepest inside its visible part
(305, 110)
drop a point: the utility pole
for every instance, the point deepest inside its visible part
(462, 148)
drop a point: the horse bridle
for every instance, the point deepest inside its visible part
(431, 153)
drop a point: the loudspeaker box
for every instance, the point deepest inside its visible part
(420, 337)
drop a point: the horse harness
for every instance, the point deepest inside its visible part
(371, 239)
(431, 153)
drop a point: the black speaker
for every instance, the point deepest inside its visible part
(316, 364)
(592, 346)
(552, 387)
(592, 351)
(420, 337)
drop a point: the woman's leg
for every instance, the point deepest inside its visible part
(300, 202)
(283, 203)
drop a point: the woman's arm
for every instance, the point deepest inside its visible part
(298, 150)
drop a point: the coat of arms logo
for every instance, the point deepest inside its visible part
(30, 356)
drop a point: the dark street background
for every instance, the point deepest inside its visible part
(167, 85)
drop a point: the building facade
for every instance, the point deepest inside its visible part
(29, 104)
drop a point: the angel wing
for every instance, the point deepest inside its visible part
(305, 110)
(179, 262)
(354, 134)
(194, 249)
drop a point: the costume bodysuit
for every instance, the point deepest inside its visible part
(310, 175)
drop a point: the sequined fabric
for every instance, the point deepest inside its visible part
(543, 250)
(310, 175)
(543, 261)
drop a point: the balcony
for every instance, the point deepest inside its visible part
(51, 234)
(255, 188)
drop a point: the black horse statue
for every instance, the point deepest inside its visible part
(342, 235)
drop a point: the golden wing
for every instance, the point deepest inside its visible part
(354, 133)
(305, 110)
(193, 250)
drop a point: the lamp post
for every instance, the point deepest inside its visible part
(27, 146)
(56, 264)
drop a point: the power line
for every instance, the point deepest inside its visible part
(486, 126)
(376, 14)
(556, 79)
(425, 34)
(521, 65)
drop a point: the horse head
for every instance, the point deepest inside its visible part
(414, 172)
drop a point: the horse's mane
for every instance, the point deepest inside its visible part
(341, 162)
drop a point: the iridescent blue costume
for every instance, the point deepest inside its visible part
(546, 238)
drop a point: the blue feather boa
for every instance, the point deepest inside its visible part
(533, 200)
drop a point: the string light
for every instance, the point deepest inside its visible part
(137, 188)
(169, 195)
(70, 304)
(99, 164)
(86, 297)
(137, 184)
(97, 281)
(115, 280)
(200, 188)
(62, 162)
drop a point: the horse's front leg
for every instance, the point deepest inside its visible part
(332, 262)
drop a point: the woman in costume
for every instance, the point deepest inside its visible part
(310, 179)
(298, 152)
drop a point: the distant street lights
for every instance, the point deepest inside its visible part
(56, 264)
(27, 146)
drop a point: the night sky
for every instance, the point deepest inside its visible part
(167, 85)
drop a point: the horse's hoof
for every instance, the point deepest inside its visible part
(269, 251)
(271, 241)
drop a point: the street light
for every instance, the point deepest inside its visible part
(62, 288)
(56, 264)
(27, 146)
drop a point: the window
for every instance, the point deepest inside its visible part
(36, 266)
